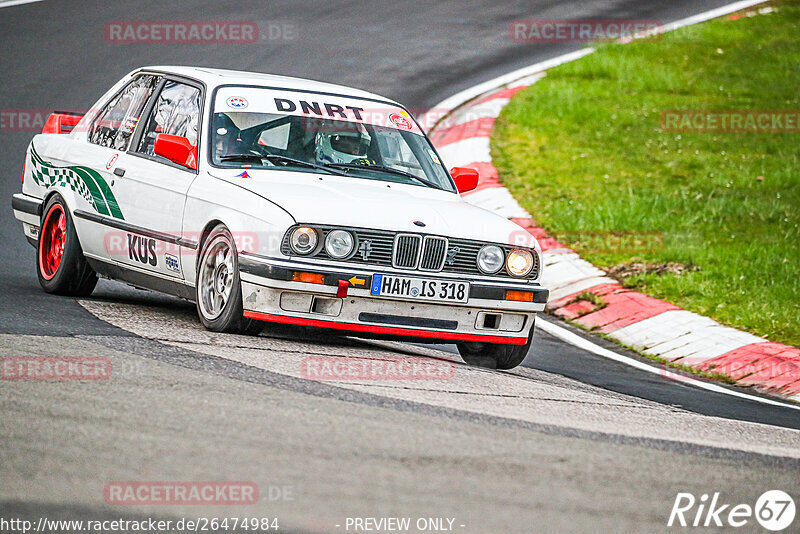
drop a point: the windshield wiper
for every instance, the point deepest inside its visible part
(242, 157)
(277, 157)
(383, 168)
(302, 163)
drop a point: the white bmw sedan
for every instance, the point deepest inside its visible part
(268, 199)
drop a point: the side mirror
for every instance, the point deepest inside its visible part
(466, 179)
(176, 149)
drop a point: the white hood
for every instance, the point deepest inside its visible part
(361, 203)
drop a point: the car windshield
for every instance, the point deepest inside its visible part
(270, 128)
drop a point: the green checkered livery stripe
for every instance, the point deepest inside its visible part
(85, 181)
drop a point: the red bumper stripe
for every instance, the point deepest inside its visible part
(389, 330)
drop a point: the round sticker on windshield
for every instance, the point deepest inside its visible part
(400, 122)
(237, 102)
(434, 157)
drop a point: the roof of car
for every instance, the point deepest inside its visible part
(215, 77)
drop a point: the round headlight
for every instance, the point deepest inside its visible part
(519, 262)
(339, 244)
(490, 259)
(304, 240)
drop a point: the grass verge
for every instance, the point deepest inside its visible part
(583, 151)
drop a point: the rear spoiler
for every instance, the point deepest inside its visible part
(61, 122)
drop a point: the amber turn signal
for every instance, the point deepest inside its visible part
(308, 278)
(521, 296)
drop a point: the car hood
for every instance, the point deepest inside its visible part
(361, 203)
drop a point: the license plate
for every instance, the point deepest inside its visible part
(419, 288)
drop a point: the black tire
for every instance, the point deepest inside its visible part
(495, 355)
(71, 275)
(230, 317)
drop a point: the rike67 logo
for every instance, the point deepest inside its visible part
(774, 510)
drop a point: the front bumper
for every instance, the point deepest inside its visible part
(270, 294)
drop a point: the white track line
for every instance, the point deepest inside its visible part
(714, 13)
(449, 104)
(576, 340)
(9, 3)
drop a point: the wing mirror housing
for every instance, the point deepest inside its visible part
(176, 149)
(466, 179)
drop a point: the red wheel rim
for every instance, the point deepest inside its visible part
(51, 241)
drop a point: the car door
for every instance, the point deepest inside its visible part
(92, 159)
(152, 189)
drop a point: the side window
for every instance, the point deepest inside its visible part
(176, 112)
(114, 125)
(397, 153)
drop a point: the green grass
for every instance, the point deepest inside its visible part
(583, 151)
(597, 302)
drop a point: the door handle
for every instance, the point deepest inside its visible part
(119, 172)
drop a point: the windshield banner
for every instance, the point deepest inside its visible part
(314, 105)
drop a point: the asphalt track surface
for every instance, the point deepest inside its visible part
(569, 441)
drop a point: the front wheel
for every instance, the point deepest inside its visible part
(495, 355)
(60, 265)
(218, 291)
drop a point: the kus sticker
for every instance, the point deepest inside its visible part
(142, 249)
(237, 102)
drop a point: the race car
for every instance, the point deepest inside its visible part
(268, 199)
